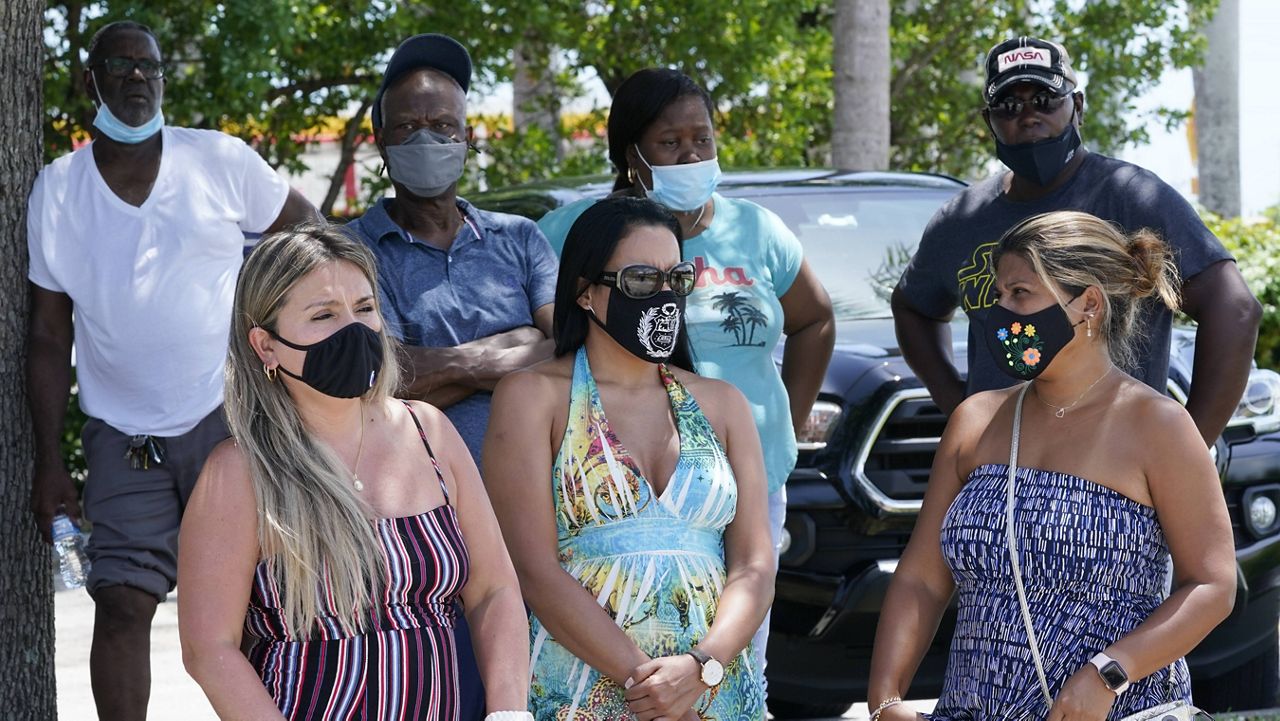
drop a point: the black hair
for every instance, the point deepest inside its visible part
(637, 103)
(116, 27)
(587, 249)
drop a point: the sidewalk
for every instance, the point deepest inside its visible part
(173, 694)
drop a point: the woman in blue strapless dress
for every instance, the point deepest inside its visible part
(1112, 480)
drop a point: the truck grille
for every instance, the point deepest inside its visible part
(894, 465)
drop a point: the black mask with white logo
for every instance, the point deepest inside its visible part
(344, 365)
(647, 328)
(1042, 161)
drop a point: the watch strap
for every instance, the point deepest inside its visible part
(1107, 665)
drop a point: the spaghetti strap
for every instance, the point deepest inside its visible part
(434, 463)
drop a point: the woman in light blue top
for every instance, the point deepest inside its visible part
(753, 283)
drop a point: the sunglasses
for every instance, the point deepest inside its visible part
(644, 281)
(1011, 107)
(123, 67)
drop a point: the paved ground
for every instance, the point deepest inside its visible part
(173, 694)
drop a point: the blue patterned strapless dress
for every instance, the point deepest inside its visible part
(1094, 564)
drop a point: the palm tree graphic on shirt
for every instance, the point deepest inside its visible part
(742, 318)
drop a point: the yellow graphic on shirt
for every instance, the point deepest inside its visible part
(976, 279)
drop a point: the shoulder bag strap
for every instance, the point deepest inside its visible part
(1013, 548)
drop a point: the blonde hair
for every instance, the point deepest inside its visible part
(1075, 251)
(312, 530)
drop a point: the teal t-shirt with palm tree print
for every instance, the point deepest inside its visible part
(747, 259)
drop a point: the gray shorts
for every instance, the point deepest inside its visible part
(136, 513)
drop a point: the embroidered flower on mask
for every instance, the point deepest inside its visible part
(1030, 331)
(1031, 357)
(1003, 334)
(1016, 328)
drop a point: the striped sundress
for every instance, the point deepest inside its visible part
(654, 563)
(405, 665)
(1094, 564)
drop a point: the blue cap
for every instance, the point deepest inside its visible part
(429, 50)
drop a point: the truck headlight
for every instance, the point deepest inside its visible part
(818, 426)
(1260, 404)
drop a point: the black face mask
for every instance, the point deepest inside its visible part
(1023, 345)
(344, 365)
(1042, 161)
(647, 328)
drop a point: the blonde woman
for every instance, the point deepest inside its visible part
(1106, 482)
(331, 528)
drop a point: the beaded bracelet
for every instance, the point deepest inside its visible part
(509, 716)
(887, 703)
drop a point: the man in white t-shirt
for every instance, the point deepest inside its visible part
(140, 235)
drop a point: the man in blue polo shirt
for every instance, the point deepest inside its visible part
(469, 292)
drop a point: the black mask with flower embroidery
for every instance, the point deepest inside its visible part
(1023, 345)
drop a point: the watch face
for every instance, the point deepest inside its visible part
(712, 672)
(1113, 674)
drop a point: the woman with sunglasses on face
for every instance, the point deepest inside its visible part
(1105, 481)
(753, 283)
(630, 492)
(339, 527)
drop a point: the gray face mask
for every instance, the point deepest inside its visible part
(426, 163)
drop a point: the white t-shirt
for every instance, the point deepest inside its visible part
(152, 286)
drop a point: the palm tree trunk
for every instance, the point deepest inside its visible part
(860, 136)
(1217, 113)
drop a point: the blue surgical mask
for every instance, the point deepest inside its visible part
(120, 131)
(684, 187)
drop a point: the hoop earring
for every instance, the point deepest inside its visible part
(270, 372)
(631, 175)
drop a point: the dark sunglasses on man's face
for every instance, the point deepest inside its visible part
(123, 67)
(1010, 107)
(644, 281)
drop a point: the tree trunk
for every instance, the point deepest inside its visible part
(26, 583)
(351, 138)
(1217, 113)
(860, 138)
(535, 98)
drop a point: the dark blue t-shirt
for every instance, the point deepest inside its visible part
(498, 271)
(952, 267)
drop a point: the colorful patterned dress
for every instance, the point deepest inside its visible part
(405, 665)
(654, 563)
(1094, 564)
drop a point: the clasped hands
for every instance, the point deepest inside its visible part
(665, 689)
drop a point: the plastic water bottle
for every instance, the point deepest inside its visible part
(69, 545)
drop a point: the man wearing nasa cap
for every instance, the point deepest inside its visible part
(467, 291)
(1034, 109)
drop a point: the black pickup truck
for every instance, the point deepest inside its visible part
(869, 443)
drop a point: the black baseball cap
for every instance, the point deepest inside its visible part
(428, 50)
(1028, 60)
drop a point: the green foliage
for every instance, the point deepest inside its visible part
(1256, 247)
(512, 156)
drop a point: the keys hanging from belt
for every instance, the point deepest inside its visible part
(144, 452)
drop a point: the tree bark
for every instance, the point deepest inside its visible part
(351, 138)
(860, 136)
(1217, 113)
(535, 98)
(27, 690)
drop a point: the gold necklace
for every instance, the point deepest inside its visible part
(355, 467)
(1062, 410)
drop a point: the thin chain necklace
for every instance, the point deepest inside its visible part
(355, 467)
(1062, 410)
